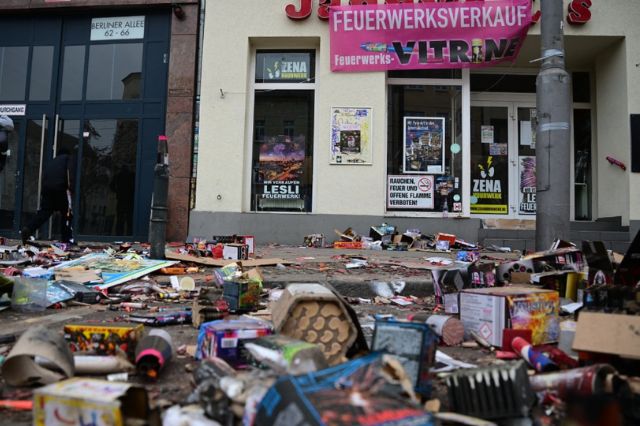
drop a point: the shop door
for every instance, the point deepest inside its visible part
(102, 101)
(503, 160)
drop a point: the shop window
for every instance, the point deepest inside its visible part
(581, 85)
(503, 83)
(424, 160)
(283, 131)
(444, 73)
(282, 150)
(284, 67)
(115, 71)
(582, 165)
(13, 73)
(72, 73)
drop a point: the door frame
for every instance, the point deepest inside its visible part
(511, 101)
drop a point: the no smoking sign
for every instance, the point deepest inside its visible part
(424, 184)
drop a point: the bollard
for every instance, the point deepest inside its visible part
(159, 210)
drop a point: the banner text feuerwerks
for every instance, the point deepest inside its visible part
(427, 35)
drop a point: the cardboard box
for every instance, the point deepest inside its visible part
(235, 251)
(313, 313)
(208, 306)
(413, 344)
(612, 334)
(490, 310)
(226, 339)
(249, 240)
(82, 401)
(326, 397)
(103, 339)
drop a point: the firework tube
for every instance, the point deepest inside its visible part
(582, 381)
(534, 358)
(560, 357)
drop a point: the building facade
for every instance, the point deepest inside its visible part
(289, 147)
(101, 79)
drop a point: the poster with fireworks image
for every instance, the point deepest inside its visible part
(281, 167)
(527, 172)
(350, 136)
(424, 142)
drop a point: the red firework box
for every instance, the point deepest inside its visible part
(102, 339)
(226, 339)
(347, 245)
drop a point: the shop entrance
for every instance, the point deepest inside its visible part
(503, 158)
(93, 86)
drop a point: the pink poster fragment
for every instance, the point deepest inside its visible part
(407, 36)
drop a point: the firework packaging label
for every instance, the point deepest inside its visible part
(103, 339)
(91, 402)
(488, 311)
(226, 339)
(372, 390)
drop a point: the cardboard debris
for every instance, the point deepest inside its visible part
(81, 276)
(115, 271)
(90, 401)
(209, 261)
(20, 367)
(611, 334)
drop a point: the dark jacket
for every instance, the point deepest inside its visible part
(57, 173)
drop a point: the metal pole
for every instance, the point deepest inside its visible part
(553, 103)
(159, 210)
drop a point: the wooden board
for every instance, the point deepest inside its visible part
(208, 261)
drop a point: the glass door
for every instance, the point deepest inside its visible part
(526, 162)
(503, 160)
(100, 101)
(491, 132)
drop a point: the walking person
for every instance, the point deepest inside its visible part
(6, 126)
(57, 189)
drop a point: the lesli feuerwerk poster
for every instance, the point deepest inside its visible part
(351, 136)
(424, 141)
(281, 168)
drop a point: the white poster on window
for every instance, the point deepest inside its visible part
(410, 192)
(525, 133)
(486, 134)
(117, 28)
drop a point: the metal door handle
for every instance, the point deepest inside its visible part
(55, 136)
(42, 138)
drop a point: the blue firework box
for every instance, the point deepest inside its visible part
(413, 344)
(350, 394)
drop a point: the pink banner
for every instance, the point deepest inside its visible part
(410, 36)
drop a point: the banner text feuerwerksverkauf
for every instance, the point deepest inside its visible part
(427, 35)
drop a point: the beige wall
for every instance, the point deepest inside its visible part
(233, 29)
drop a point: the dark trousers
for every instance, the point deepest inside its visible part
(53, 201)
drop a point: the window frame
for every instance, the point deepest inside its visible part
(464, 84)
(246, 202)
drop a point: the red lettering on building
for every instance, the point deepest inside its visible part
(302, 13)
(579, 12)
